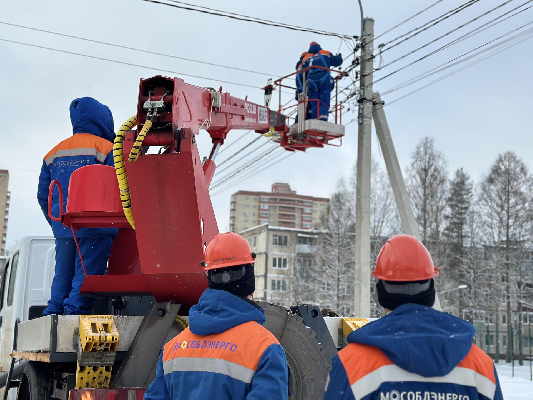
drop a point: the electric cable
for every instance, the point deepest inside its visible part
(442, 36)
(408, 19)
(258, 169)
(239, 151)
(135, 49)
(255, 159)
(246, 18)
(496, 52)
(132, 64)
(232, 143)
(428, 25)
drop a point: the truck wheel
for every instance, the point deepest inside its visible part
(35, 383)
(305, 356)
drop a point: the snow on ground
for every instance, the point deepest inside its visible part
(518, 388)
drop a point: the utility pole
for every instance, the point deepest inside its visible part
(362, 208)
(370, 105)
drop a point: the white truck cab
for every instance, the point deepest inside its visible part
(26, 278)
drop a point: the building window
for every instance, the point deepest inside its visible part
(279, 262)
(233, 198)
(255, 198)
(306, 240)
(247, 206)
(308, 203)
(264, 198)
(326, 286)
(255, 206)
(273, 208)
(264, 206)
(245, 221)
(246, 214)
(255, 241)
(254, 215)
(322, 205)
(307, 210)
(307, 218)
(263, 214)
(273, 199)
(280, 240)
(321, 212)
(504, 340)
(246, 198)
(279, 285)
(504, 319)
(299, 201)
(305, 262)
(263, 221)
(232, 214)
(307, 225)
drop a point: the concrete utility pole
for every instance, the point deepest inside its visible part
(407, 217)
(362, 210)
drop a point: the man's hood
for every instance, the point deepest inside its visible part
(90, 116)
(217, 311)
(314, 48)
(419, 339)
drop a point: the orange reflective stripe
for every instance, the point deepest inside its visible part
(243, 345)
(480, 362)
(325, 53)
(307, 57)
(360, 360)
(82, 141)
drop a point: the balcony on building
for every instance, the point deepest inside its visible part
(307, 244)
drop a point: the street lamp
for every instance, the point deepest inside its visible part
(451, 290)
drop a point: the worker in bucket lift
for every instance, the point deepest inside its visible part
(319, 81)
(225, 353)
(300, 80)
(91, 143)
(414, 351)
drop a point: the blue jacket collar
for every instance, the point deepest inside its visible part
(90, 116)
(419, 339)
(217, 311)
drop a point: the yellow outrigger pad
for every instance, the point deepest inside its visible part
(352, 324)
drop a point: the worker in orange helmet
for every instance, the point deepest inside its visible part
(225, 353)
(413, 352)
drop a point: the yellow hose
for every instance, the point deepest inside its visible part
(118, 158)
(136, 150)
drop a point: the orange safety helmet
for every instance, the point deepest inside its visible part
(404, 259)
(226, 250)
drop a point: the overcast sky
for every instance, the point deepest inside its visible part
(473, 115)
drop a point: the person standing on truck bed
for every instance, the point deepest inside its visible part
(91, 143)
(225, 353)
(414, 352)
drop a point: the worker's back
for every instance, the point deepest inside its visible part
(225, 353)
(414, 352)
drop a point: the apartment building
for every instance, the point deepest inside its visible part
(286, 260)
(4, 208)
(281, 207)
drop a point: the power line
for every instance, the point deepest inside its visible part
(239, 151)
(132, 64)
(452, 62)
(271, 161)
(528, 35)
(429, 24)
(246, 18)
(135, 49)
(453, 42)
(442, 36)
(255, 159)
(231, 144)
(408, 19)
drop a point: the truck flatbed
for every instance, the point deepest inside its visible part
(54, 338)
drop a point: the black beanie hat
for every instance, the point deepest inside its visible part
(392, 295)
(238, 280)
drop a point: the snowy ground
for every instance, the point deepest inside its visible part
(518, 388)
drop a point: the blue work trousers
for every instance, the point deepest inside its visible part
(66, 297)
(323, 94)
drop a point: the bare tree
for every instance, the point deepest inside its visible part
(506, 209)
(428, 187)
